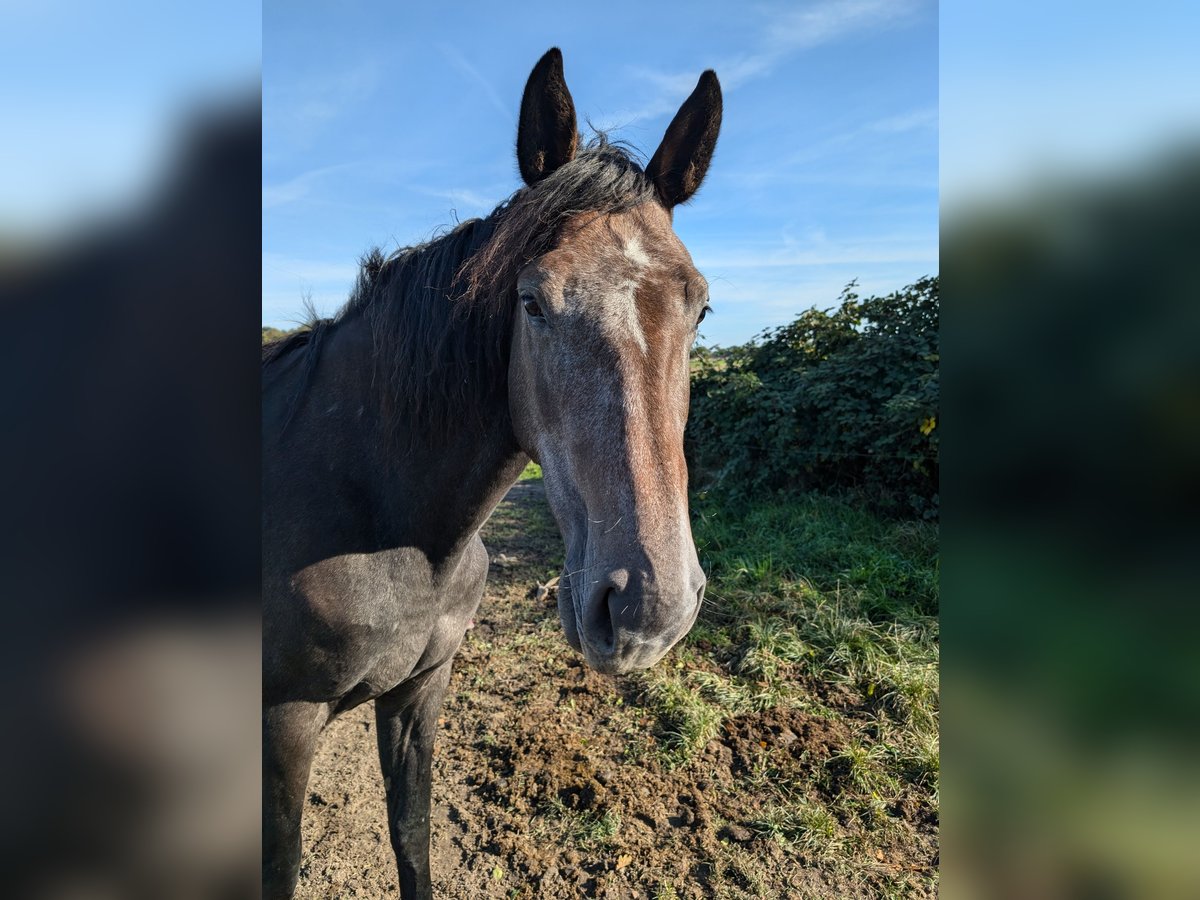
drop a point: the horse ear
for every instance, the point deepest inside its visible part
(546, 135)
(681, 160)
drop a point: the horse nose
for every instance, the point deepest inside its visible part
(629, 623)
(602, 615)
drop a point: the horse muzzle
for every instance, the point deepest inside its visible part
(623, 622)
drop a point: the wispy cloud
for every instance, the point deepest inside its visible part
(926, 117)
(464, 65)
(288, 280)
(308, 271)
(788, 31)
(822, 253)
(305, 106)
(875, 152)
(746, 301)
(474, 201)
(282, 193)
(822, 23)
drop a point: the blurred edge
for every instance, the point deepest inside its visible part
(1071, 411)
(130, 466)
(1071, 439)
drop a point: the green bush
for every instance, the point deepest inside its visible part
(846, 399)
(274, 334)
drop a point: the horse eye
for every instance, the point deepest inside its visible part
(704, 312)
(532, 308)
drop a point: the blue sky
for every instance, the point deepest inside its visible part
(384, 121)
(1033, 92)
(92, 95)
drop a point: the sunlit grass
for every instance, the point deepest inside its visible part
(584, 829)
(805, 824)
(809, 597)
(815, 609)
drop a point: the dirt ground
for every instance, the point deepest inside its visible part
(544, 780)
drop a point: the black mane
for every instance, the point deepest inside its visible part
(441, 313)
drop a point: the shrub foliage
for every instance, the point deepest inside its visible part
(845, 399)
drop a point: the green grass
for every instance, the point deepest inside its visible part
(532, 472)
(815, 610)
(805, 824)
(584, 829)
(816, 605)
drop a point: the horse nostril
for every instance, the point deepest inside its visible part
(603, 631)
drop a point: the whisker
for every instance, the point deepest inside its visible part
(584, 569)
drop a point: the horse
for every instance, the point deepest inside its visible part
(557, 329)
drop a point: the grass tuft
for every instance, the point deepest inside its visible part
(818, 616)
(585, 829)
(804, 824)
(814, 604)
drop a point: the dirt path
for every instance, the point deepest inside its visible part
(346, 849)
(545, 780)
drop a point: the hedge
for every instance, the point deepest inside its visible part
(838, 400)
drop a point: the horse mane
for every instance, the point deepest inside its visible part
(441, 313)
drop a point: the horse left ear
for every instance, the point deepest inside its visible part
(681, 160)
(546, 135)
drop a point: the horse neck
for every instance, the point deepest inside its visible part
(432, 488)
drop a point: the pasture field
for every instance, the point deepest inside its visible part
(788, 747)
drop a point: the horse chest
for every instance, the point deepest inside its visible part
(372, 621)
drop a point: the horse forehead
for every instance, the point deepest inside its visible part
(631, 267)
(639, 239)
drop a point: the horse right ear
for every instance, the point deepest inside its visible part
(546, 135)
(681, 161)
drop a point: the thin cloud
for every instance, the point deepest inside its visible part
(892, 169)
(744, 305)
(464, 197)
(823, 23)
(788, 32)
(309, 271)
(283, 193)
(464, 65)
(288, 280)
(839, 256)
(819, 250)
(911, 121)
(302, 109)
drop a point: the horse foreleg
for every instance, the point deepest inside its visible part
(290, 732)
(406, 720)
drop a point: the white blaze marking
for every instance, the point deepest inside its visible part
(634, 324)
(635, 253)
(619, 314)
